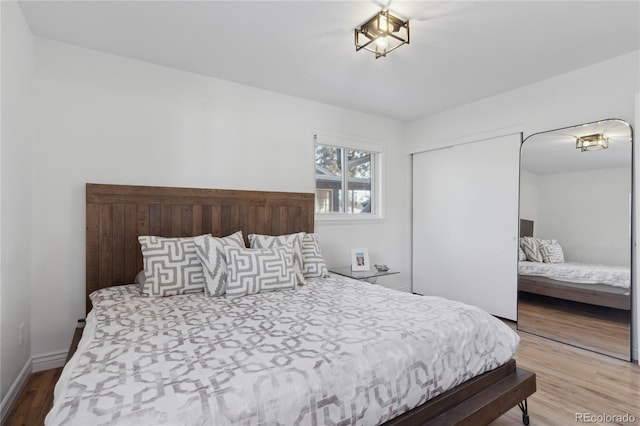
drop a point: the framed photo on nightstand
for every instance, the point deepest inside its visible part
(360, 259)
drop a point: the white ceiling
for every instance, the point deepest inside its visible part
(459, 52)
(555, 151)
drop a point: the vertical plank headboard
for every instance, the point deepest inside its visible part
(118, 214)
(526, 228)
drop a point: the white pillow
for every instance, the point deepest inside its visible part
(312, 262)
(252, 271)
(210, 251)
(171, 266)
(295, 240)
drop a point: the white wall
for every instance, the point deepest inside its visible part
(107, 119)
(529, 198)
(603, 90)
(15, 194)
(588, 212)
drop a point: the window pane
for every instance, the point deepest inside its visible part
(328, 178)
(344, 180)
(360, 167)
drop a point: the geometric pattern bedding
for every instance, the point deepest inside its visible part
(333, 351)
(581, 273)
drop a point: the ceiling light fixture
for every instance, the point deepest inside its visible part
(382, 34)
(592, 142)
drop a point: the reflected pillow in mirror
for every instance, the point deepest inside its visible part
(551, 252)
(531, 248)
(522, 256)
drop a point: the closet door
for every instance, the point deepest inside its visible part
(465, 223)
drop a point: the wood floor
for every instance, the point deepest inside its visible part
(570, 381)
(36, 399)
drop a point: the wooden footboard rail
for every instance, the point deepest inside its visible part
(615, 298)
(478, 401)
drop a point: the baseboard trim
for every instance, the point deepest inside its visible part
(14, 391)
(405, 289)
(48, 361)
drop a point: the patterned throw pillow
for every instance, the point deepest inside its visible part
(210, 251)
(140, 279)
(268, 241)
(531, 248)
(522, 256)
(551, 252)
(171, 266)
(312, 262)
(253, 271)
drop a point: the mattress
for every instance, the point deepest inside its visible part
(332, 351)
(582, 273)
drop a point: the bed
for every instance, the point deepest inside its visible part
(598, 285)
(584, 305)
(333, 350)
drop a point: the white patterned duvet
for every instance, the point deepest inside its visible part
(333, 351)
(582, 273)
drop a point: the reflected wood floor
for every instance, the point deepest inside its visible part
(603, 330)
(569, 380)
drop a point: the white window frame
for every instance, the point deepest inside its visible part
(350, 142)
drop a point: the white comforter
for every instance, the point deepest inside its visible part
(334, 350)
(582, 273)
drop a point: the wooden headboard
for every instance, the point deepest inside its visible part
(118, 214)
(526, 228)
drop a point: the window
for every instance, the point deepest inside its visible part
(345, 180)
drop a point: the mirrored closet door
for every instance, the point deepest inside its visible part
(574, 268)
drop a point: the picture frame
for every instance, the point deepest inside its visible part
(360, 259)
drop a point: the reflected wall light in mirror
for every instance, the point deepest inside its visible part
(592, 142)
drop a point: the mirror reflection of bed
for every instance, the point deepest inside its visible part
(574, 281)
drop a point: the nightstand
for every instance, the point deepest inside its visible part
(370, 276)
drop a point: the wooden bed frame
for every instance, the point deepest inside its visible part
(593, 294)
(118, 214)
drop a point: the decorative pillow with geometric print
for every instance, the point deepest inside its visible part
(252, 271)
(551, 252)
(210, 251)
(531, 248)
(171, 266)
(295, 240)
(313, 265)
(521, 254)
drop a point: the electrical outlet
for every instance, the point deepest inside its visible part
(21, 335)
